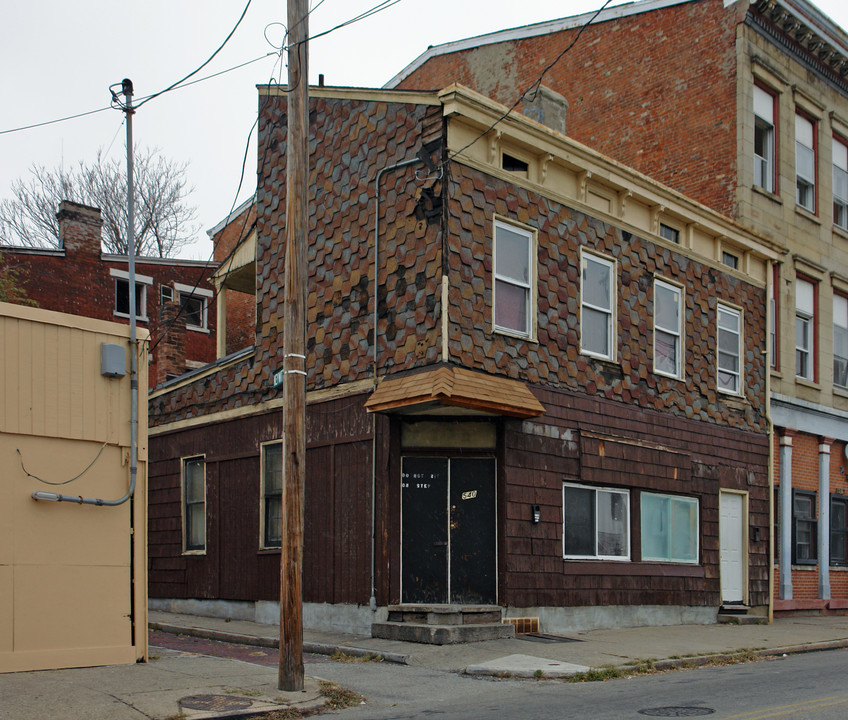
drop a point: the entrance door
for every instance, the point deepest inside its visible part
(731, 539)
(448, 530)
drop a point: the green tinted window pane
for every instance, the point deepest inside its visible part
(655, 527)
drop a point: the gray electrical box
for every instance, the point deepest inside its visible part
(113, 360)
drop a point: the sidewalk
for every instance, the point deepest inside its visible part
(202, 687)
(677, 644)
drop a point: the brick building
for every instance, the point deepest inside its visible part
(234, 242)
(744, 107)
(555, 408)
(78, 278)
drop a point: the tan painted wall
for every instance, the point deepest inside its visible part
(815, 247)
(73, 589)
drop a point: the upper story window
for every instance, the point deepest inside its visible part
(805, 162)
(840, 341)
(729, 259)
(668, 318)
(272, 495)
(764, 139)
(729, 330)
(669, 528)
(194, 504)
(597, 303)
(194, 303)
(670, 233)
(596, 523)
(805, 327)
(513, 299)
(122, 294)
(840, 184)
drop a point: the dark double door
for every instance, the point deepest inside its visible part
(448, 533)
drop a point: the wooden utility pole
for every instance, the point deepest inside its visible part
(294, 350)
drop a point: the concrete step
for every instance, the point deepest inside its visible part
(431, 634)
(445, 614)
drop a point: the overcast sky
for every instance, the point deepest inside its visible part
(59, 59)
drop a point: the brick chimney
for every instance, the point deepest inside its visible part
(547, 107)
(80, 228)
(170, 355)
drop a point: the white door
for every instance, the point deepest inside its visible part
(732, 535)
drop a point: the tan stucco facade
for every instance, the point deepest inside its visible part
(73, 589)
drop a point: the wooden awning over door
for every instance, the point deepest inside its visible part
(454, 389)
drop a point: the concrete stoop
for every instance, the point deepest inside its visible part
(443, 624)
(736, 614)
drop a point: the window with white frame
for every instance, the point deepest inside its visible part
(122, 293)
(272, 495)
(805, 320)
(597, 302)
(840, 184)
(805, 162)
(669, 528)
(513, 297)
(596, 523)
(764, 139)
(194, 504)
(840, 341)
(668, 316)
(729, 329)
(194, 304)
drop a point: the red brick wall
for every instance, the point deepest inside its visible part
(241, 307)
(656, 91)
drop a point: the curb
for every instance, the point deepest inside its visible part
(269, 642)
(693, 662)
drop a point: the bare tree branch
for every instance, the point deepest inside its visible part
(164, 220)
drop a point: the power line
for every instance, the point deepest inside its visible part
(92, 112)
(200, 67)
(534, 86)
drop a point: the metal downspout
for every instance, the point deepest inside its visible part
(380, 173)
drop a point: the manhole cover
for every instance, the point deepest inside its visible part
(215, 702)
(677, 711)
(546, 638)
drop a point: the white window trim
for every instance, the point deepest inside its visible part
(529, 287)
(612, 343)
(184, 514)
(124, 275)
(740, 373)
(262, 449)
(767, 160)
(678, 333)
(809, 318)
(842, 202)
(799, 176)
(839, 299)
(201, 294)
(686, 498)
(140, 285)
(596, 556)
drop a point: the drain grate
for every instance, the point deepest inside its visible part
(546, 638)
(692, 711)
(215, 702)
